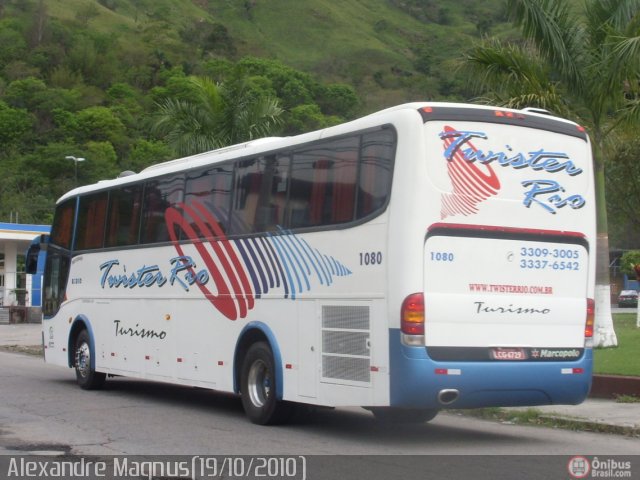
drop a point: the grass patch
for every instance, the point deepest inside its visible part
(627, 399)
(625, 358)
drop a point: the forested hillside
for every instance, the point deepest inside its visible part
(85, 78)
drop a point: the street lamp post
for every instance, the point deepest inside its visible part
(75, 162)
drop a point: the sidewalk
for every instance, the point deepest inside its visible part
(20, 334)
(594, 414)
(621, 418)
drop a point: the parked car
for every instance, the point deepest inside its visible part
(628, 298)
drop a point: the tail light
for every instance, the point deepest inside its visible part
(590, 322)
(412, 320)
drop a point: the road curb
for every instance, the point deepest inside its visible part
(584, 424)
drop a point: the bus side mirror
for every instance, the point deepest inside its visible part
(31, 257)
(31, 260)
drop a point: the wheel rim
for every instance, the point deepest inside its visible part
(259, 383)
(83, 359)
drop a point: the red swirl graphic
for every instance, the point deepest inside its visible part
(471, 185)
(234, 296)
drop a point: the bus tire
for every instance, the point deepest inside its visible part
(258, 387)
(404, 415)
(86, 377)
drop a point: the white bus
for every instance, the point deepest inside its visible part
(424, 257)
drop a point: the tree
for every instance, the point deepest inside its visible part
(99, 124)
(15, 128)
(14, 46)
(145, 153)
(338, 99)
(623, 194)
(305, 118)
(216, 115)
(581, 65)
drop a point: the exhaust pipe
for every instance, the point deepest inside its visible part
(448, 396)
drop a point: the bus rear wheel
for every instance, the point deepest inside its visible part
(258, 387)
(404, 415)
(86, 376)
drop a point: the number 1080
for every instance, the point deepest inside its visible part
(442, 257)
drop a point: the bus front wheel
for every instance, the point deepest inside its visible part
(86, 376)
(258, 387)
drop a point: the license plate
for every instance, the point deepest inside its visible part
(509, 354)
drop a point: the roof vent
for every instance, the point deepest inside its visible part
(541, 111)
(126, 173)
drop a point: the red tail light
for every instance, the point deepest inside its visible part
(412, 316)
(589, 324)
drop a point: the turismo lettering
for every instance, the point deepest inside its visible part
(482, 307)
(138, 332)
(548, 194)
(182, 273)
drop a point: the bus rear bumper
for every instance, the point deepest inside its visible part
(418, 381)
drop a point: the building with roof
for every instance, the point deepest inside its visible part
(16, 287)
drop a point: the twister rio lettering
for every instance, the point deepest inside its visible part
(182, 273)
(471, 186)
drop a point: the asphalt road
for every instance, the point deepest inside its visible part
(42, 410)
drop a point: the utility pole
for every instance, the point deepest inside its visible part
(75, 162)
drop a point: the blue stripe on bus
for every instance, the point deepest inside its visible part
(275, 270)
(245, 259)
(264, 267)
(286, 240)
(328, 260)
(257, 265)
(314, 261)
(325, 267)
(293, 240)
(282, 258)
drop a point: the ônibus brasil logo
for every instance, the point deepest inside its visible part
(579, 467)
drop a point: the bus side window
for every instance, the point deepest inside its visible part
(260, 194)
(272, 200)
(245, 196)
(344, 181)
(62, 229)
(158, 196)
(376, 163)
(302, 177)
(323, 181)
(208, 196)
(123, 222)
(92, 213)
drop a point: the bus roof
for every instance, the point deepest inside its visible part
(263, 145)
